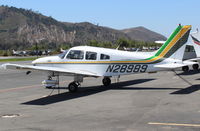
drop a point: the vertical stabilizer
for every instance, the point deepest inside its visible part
(174, 47)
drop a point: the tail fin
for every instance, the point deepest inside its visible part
(175, 45)
(196, 42)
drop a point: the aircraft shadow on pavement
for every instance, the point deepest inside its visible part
(86, 91)
(190, 72)
(187, 90)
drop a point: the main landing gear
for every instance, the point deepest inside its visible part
(73, 86)
(106, 81)
(185, 68)
(194, 66)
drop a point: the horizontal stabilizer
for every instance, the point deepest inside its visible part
(175, 65)
(44, 68)
(194, 59)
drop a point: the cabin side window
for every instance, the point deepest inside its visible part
(75, 54)
(91, 55)
(104, 57)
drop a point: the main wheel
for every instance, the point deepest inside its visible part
(73, 87)
(106, 81)
(185, 68)
(195, 66)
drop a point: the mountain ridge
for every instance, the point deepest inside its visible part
(21, 28)
(141, 33)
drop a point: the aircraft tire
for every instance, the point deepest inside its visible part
(73, 87)
(106, 81)
(185, 68)
(195, 66)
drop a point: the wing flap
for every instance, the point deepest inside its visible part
(45, 68)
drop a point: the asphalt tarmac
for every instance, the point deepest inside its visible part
(143, 102)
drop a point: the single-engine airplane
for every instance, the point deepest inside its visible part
(86, 61)
(196, 42)
(18, 53)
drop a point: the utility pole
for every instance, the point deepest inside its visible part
(36, 45)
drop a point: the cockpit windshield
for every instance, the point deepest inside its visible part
(62, 55)
(75, 54)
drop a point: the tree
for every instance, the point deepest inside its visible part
(123, 43)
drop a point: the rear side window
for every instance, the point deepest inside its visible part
(75, 54)
(91, 55)
(104, 57)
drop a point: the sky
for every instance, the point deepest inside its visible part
(161, 16)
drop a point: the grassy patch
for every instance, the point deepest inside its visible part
(18, 59)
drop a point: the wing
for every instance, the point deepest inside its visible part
(175, 65)
(44, 68)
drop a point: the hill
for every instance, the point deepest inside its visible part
(85, 31)
(21, 28)
(143, 34)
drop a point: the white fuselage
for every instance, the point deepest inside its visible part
(119, 62)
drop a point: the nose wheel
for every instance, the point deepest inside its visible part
(73, 87)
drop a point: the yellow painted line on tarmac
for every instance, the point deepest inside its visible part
(174, 124)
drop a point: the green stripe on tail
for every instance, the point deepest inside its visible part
(168, 40)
